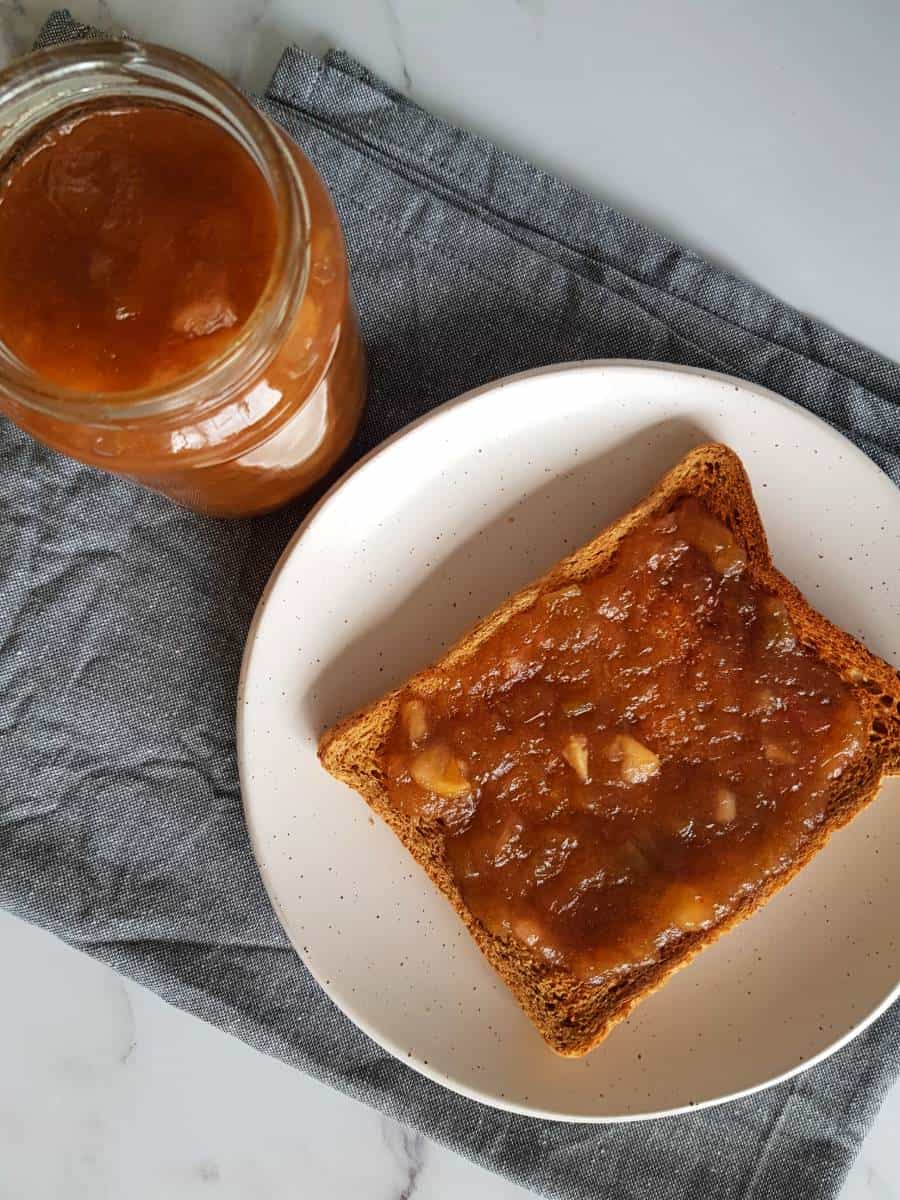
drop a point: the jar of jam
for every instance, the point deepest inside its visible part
(174, 294)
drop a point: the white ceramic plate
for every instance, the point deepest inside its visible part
(425, 536)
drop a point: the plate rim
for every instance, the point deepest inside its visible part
(400, 1054)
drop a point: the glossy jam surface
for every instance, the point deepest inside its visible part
(629, 758)
(135, 243)
(151, 242)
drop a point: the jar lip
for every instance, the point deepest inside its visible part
(50, 81)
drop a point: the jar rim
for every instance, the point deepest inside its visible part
(45, 84)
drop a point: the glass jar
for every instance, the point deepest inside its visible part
(256, 425)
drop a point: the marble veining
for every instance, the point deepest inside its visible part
(107, 1093)
(408, 1148)
(395, 30)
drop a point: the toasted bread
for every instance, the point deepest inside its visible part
(571, 1015)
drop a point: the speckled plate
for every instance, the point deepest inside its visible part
(415, 543)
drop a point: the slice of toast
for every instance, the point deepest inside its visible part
(574, 1016)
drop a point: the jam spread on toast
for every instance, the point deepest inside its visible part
(632, 756)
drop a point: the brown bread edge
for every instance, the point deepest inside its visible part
(573, 1017)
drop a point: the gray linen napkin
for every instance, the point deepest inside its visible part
(122, 620)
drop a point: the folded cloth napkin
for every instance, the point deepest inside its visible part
(122, 620)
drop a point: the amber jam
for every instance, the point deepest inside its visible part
(174, 291)
(631, 757)
(135, 242)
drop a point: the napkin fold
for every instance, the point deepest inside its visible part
(122, 620)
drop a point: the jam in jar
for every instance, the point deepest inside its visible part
(174, 292)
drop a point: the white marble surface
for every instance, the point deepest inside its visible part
(762, 134)
(107, 1093)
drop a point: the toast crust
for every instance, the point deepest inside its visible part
(573, 1017)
